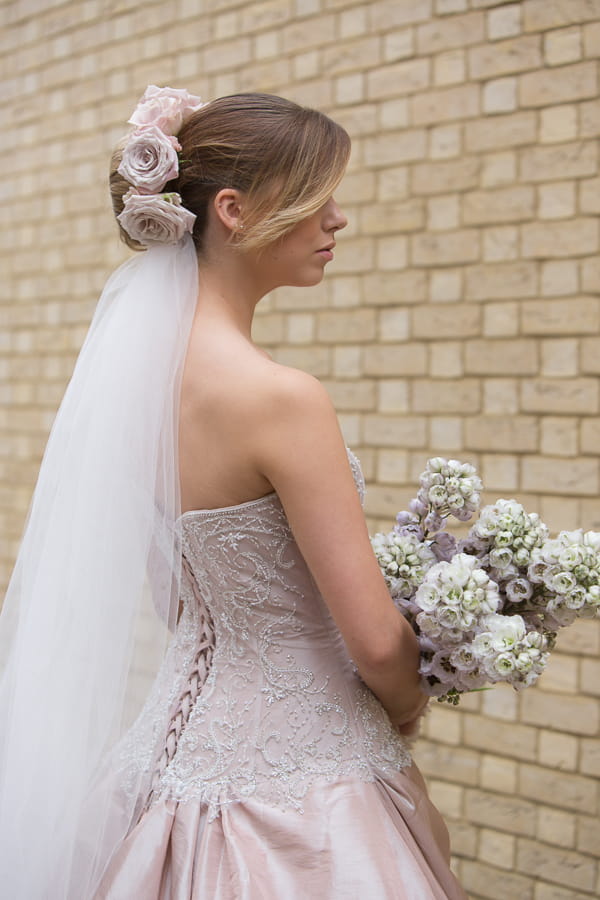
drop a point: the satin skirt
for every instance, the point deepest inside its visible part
(380, 839)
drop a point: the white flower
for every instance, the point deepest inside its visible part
(155, 218)
(149, 160)
(167, 108)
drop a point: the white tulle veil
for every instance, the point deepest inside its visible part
(100, 549)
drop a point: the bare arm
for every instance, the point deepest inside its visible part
(301, 451)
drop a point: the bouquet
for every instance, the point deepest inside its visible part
(487, 608)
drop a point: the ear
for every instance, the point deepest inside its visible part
(228, 204)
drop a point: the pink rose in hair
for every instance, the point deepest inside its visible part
(167, 108)
(155, 218)
(149, 159)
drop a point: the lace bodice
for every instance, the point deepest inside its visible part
(282, 706)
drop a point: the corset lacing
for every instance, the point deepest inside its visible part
(197, 677)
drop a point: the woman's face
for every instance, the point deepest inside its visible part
(299, 258)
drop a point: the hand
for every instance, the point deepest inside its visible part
(410, 727)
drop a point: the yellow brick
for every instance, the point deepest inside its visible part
(445, 285)
(590, 677)
(577, 315)
(392, 253)
(445, 249)
(399, 44)
(501, 702)
(447, 797)
(511, 204)
(446, 176)
(395, 359)
(384, 218)
(590, 439)
(579, 477)
(501, 319)
(497, 848)
(590, 756)
(392, 183)
(500, 472)
(353, 22)
(562, 46)
(588, 834)
(503, 22)
(442, 320)
(434, 757)
(393, 325)
(502, 131)
(559, 357)
(482, 880)
(308, 33)
(391, 288)
(540, 15)
(498, 168)
(590, 274)
(393, 396)
(445, 7)
(313, 359)
(392, 148)
(515, 433)
(559, 278)
(405, 77)
(576, 82)
(589, 119)
(354, 255)
(391, 13)
(443, 724)
(449, 67)
(346, 326)
(509, 814)
(505, 57)
(445, 433)
(300, 328)
(499, 281)
(392, 466)
(444, 141)
(589, 196)
(563, 789)
(560, 239)
(393, 114)
(498, 774)
(350, 88)
(562, 866)
(560, 162)
(452, 396)
(446, 34)
(351, 395)
(348, 56)
(394, 431)
(558, 751)
(557, 200)
(583, 636)
(347, 361)
(591, 39)
(445, 104)
(495, 357)
(446, 359)
(558, 124)
(500, 95)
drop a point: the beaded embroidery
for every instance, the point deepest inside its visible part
(282, 707)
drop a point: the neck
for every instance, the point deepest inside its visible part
(229, 290)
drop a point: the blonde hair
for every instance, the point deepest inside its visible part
(287, 159)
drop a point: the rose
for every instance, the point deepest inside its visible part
(167, 108)
(155, 218)
(149, 159)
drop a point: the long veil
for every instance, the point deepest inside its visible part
(101, 537)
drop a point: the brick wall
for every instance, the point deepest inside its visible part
(461, 315)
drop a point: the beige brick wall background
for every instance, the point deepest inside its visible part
(460, 317)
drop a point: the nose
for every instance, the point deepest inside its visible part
(336, 220)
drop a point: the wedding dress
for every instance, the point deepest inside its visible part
(280, 775)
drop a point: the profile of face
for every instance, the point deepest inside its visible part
(300, 256)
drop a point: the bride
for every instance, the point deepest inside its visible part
(270, 758)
